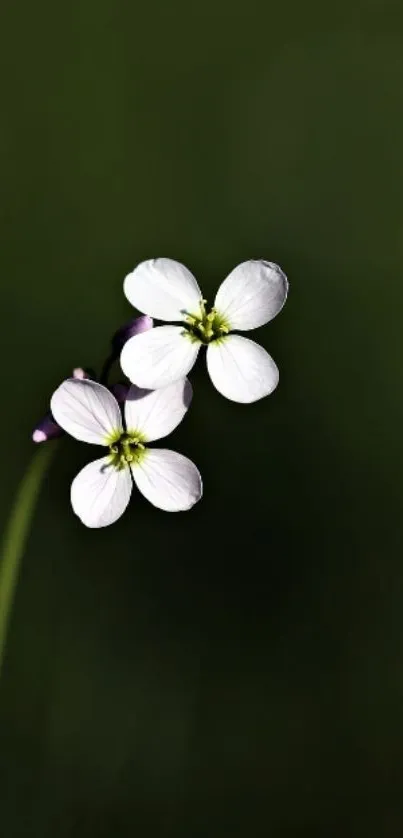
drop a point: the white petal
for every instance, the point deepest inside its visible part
(100, 493)
(168, 480)
(158, 357)
(155, 413)
(163, 288)
(252, 294)
(240, 369)
(87, 411)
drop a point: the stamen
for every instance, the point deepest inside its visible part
(127, 449)
(206, 327)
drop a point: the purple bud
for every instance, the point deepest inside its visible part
(120, 391)
(81, 373)
(129, 330)
(47, 429)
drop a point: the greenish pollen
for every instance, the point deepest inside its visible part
(206, 326)
(127, 450)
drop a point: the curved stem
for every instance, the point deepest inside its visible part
(16, 534)
(106, 369)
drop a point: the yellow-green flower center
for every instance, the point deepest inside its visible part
(205, 326)
(127, 450)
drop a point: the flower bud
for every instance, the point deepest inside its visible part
(120, 391)
(129, 330)
(47, 429)
(81, 373)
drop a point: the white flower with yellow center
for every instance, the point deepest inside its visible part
(101, 491)
(252, 294)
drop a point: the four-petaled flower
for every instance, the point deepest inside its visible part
(253, 293)
(101, 491)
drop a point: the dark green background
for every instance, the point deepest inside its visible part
(237, 670)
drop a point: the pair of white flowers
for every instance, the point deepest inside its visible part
(157, 362)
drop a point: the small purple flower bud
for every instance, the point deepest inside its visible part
(47, 429)
(82, 372)
(129, 330)
(120, 392)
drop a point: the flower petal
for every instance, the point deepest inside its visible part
(155, 413)
(163, 288)
(252, 294)
(87, 411)
(158, 357)
(240, 369)
(168, 480)
(100, 493)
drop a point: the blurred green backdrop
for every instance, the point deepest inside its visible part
(237, 670)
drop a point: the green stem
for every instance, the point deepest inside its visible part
(16, 535)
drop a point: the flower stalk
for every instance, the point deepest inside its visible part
(16, 535)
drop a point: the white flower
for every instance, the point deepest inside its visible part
(101, 491)
(252, 294)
